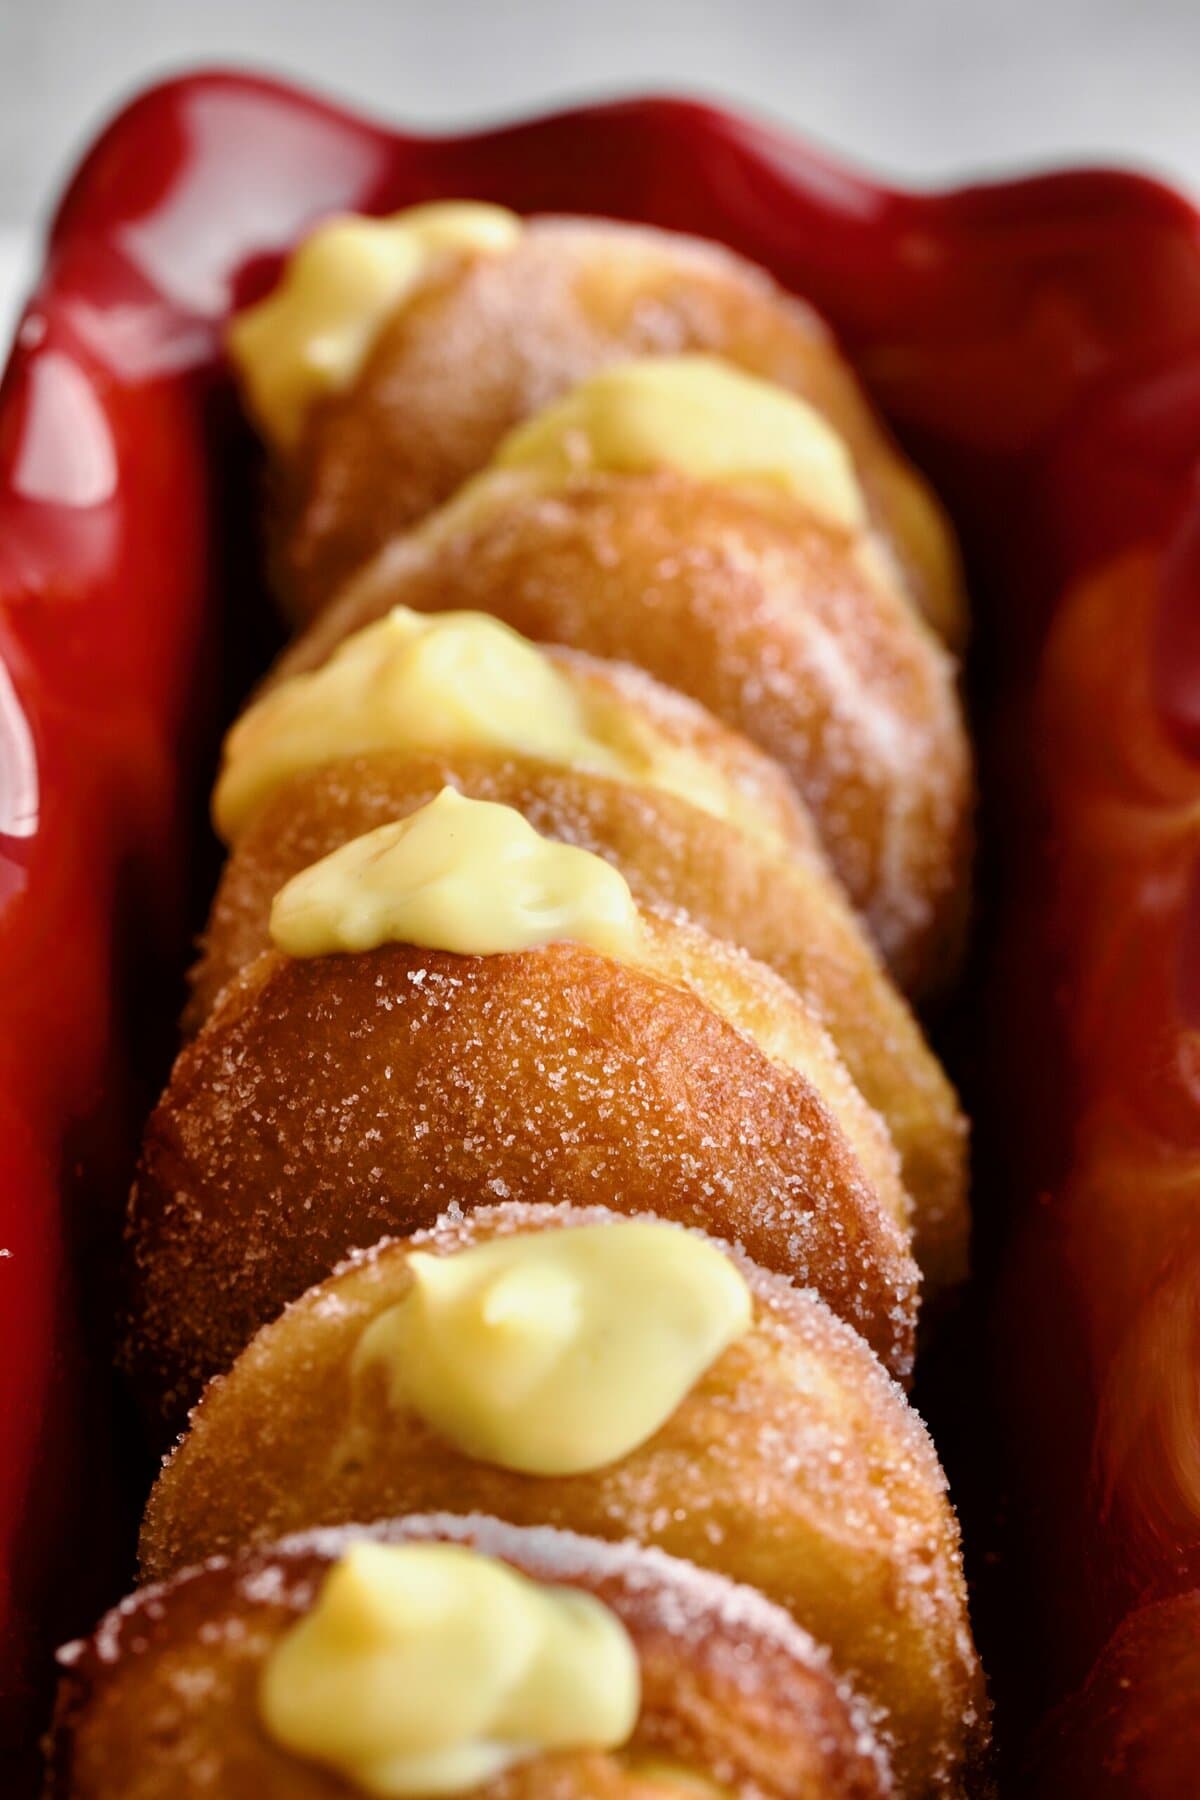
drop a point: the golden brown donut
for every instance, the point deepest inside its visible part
(488, 340)
(794, 1464)
(763, 613)
(782, 907)
(719, 770)
(162, 1701)
(329, 1102)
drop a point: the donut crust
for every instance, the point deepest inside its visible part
(161, 1702)
(331, 1102)
(767, 617)
(488, 340)
(794, 1465)
(782, 907)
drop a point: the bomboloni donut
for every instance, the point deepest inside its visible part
(665, 515)
(486, 320)
(512, 1664)
(600, 756)
(355, 1083)
(617, 1378)
(428, 681)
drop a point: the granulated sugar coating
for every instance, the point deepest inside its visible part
(794, 1463)
(332, 1102)
(166, 1692)
(487, 341)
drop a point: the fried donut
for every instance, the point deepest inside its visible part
(332, 1099)
(765, 612)
(736, 1701)
(447, 680)
(486, 339)
(793, 1464)
(754, 879)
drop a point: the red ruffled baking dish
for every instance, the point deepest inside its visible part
(1036, 345)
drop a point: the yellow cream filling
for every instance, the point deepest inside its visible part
(311, 335)
(694, 414)
(557, 1352)
(462, 875)
(428, 1669)
(444, 682)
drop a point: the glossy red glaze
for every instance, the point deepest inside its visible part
(1146, 1462)
(1133, 1730)
(1036, 344)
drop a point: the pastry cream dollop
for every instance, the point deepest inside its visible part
(697, 415)
(428, 1669)
(462, 875)
(310, 336)
(448, 681)
(556, 1352)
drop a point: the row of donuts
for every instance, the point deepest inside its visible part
(551, 1144)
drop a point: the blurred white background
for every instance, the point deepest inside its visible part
(929, 90)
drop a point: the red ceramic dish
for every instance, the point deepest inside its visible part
(1037, 345)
